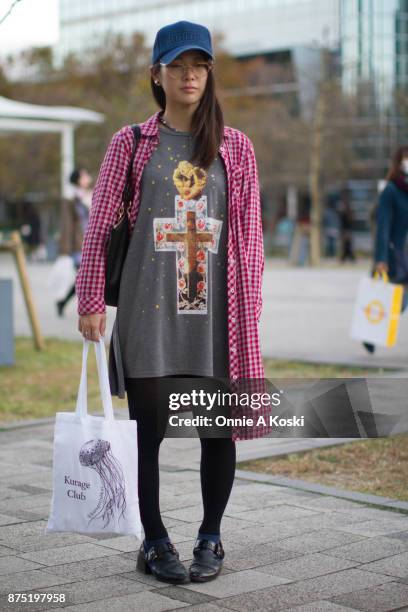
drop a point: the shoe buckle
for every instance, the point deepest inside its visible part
(214, 546)
(151, 554)
(172, 548)
(219, 550)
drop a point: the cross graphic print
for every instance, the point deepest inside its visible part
(191, 234)
(194, 241)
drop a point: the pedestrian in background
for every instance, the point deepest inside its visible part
(74, 222)
(31, 229)
(346, 227)
(331, 224)
(299, 251)
(390, 254)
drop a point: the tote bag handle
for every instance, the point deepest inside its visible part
(103, 375)
(384, 276)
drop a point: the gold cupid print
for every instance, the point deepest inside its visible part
(189, 180)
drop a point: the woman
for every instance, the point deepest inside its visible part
(392, 227)
(190, 294)
(74, 221)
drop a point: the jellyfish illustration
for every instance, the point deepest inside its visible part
(97, 455)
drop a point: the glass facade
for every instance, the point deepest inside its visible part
(401, 30)
(374, 47)
(249, 26)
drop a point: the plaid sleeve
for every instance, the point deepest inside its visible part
(106, 199)
(252, 225)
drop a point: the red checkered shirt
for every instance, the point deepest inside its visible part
(245, 243)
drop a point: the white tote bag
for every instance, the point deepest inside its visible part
(377, 311)
(62, 276)
(95, 483)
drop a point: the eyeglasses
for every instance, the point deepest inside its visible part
(198, 69)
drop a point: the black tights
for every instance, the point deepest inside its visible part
(217, 467)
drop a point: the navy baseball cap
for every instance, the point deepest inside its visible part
(175, 38)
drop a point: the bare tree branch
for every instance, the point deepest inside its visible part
(3, 19)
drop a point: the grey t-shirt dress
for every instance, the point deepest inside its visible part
(172, 308)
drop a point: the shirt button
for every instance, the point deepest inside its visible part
(233, 320)
(231, 261)
(232, 290)
(234, 349)
(235, 377)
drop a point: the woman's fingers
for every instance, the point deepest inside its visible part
(95, 334)
(92, 326)
(381, 266)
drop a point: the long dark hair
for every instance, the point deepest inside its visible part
(207, 123)
(395, 170)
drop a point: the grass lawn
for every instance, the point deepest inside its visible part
(378, 466)
(45, 382)
(42, 383)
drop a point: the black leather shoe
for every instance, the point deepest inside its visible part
(162, 560)
(208, 560)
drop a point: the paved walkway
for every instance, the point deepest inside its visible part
(286, 549)
(306, 315)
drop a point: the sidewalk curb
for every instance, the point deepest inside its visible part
(25, 423)
(46, 420)
(344, 363)
(387, 503)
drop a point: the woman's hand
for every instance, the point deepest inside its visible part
(381, 266)
(92, 326)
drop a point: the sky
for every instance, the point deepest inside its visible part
(31, 23)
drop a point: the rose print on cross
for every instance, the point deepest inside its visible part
(191, 235)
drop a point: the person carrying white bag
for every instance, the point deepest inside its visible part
(173, 318)
(95, 464)
(390, 253)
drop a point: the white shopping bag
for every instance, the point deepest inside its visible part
(377, 311)
(95, 484)
(62, 276)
